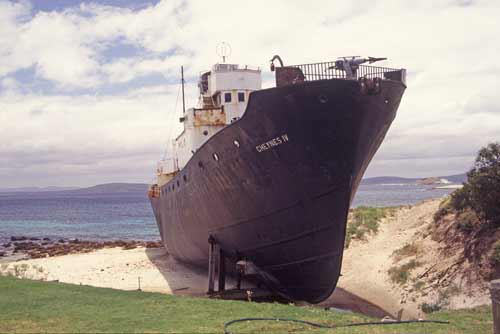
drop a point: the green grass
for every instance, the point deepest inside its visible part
(31, 306)
(364, 220)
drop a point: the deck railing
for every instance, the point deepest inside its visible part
(327, 70)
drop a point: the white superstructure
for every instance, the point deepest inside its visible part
(224, 94)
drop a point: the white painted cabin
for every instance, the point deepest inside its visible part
(224, 94)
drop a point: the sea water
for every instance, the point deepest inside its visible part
(129, 216)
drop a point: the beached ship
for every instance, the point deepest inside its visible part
(269, 174)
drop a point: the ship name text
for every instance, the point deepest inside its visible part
(272, 143)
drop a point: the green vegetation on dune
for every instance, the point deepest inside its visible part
(365, 220)
(31, 306)
(470, 216)
(481, 193)
(401, 274)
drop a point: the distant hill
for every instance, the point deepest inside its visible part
(388, 180)
(35, 189)
(122, 187)
(118, 187)
(112, 188)
(454, 179)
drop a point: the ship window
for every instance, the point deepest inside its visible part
(205, 132)
(227, 97)
(200, 164)
(185, 178)
(216, 157)
(236, 143)
(241, 97)
(178, 184)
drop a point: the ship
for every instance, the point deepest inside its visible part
(268, 175)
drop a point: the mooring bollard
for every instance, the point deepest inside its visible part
(495, 304)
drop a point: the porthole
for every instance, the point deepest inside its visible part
(236, 143)
(185, 178)
(216, 157)
(386, 101)
(200, 164)
(205, 132)
(322, 99)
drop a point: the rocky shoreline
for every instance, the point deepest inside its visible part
(24, 247)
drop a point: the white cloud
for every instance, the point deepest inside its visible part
(450, 108)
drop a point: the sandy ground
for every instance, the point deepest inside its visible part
(117, 268)
(364, 285)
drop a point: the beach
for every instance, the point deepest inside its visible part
(364, 286)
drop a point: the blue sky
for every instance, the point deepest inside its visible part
(59, 5)
(88, 88)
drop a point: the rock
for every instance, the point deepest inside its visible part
(7, 245)
(19, 238)
(34, 239)
(154, 244)
(2, 254)
(61, 241)
(46, 239)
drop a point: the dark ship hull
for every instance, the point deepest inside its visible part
(278, 189)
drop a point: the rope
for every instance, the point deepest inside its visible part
(170, 128)
(316, 325)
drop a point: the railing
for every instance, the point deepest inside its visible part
(328, 70)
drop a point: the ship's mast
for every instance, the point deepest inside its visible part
(182, 83)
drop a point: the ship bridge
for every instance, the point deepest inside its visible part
(227, 86)
(224, 94)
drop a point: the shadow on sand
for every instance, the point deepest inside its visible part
(185, 280)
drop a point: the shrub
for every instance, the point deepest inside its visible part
(460, 198)
(495, 257)
(466, 221)
(481, 192)
(430, 308)
(401, 274)
(406, 251)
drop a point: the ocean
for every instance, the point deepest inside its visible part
(128, 216)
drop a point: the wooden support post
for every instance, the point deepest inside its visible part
(221, 269)
(495, 304)
(211, 264)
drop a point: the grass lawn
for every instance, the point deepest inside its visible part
(32, 306)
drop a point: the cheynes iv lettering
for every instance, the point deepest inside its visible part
(272, 143)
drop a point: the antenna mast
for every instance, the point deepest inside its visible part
(223, 50)
(182, 82)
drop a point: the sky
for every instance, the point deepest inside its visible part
(89, 89)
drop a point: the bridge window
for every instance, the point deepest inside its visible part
(227, 97)
(241, 97)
